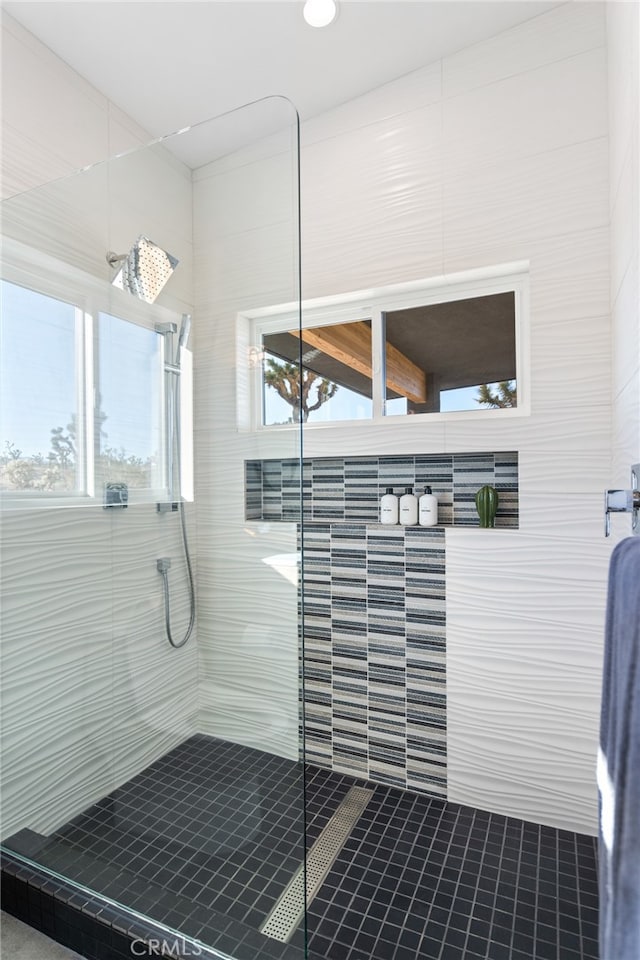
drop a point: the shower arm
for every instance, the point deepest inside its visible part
(114, 258)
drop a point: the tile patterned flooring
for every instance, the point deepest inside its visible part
(205, 840)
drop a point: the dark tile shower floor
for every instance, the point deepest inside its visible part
(206, 839)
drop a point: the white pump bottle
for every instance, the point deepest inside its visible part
(389, 507)
(408, 508)
(428, 508)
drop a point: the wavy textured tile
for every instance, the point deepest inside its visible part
(524, 649)
(625, 315)
(510, 118)
(384, 219)
(64, 127)
(569, 277)
(532, 45)
(370, 220)
(92, 690)
(509, 205)
(623, 48)
(523, 663)
(248, 632)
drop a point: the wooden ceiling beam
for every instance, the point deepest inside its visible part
(350, 343)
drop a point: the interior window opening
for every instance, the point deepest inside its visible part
(462, 353)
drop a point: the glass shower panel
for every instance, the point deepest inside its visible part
(149, 762)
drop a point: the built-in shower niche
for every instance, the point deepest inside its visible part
(349, 488)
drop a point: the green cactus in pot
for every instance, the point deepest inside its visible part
(487, 505)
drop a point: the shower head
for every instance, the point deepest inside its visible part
(144, 269)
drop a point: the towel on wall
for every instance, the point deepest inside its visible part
(619, 760)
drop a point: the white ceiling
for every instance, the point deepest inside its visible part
(171, 64)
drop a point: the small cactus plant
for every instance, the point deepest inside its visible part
(487, 505)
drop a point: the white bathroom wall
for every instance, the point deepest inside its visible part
(497, 154)
(245, 237)
(623, 47)
(92, 691)
(53, 121)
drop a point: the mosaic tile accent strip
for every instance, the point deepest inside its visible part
(374, 626)
(349, 489)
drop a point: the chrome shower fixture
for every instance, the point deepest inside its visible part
(144, 269)
(185, 330)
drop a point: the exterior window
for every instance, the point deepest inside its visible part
(39, 409)
(82, 400)
(128, 414)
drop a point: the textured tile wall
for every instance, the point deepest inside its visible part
(53, 121)
(457, 166)
(84, 656)
(84, 653)
(374, 626)
(349, 488)
(623, 48)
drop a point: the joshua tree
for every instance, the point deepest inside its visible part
(63, 450)
(286, 380)
(56, 471)
(505, 396)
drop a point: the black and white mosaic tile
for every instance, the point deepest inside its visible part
(374, 627)
(349, 489)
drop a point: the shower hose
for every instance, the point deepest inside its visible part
(163, 567)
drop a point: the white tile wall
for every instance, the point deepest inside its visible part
(523, 687)
(562, 33)
(623, 47)
(248, 622)
(458, 165)
(396, 160)
(511, 117)
(53, 120)
(508, 160)
(92, 692)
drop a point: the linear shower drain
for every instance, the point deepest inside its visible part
(289, 908)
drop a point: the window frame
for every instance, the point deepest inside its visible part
(373, 305)
(91, 296)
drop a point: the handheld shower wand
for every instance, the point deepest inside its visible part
(172, 375)
(185, 330)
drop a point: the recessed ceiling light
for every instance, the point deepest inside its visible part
(320, 13)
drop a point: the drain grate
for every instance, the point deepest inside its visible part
(289, 908)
